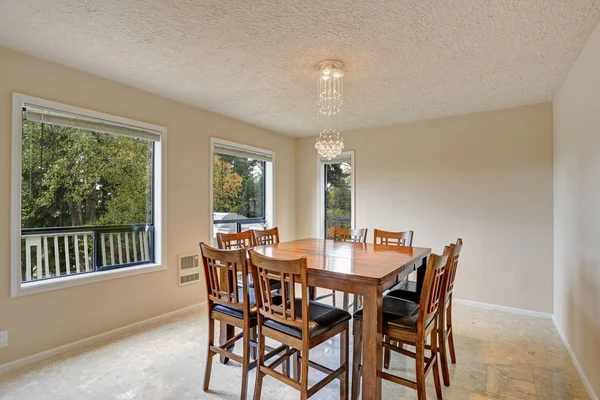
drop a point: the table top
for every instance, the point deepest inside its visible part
(364, 261)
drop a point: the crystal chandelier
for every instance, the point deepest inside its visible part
(330, 78)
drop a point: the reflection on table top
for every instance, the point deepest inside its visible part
(360, 260)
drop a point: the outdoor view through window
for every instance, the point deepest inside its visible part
(86, 199)
(238, 193)
(338, 196)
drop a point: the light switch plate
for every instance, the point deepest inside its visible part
(3, 338)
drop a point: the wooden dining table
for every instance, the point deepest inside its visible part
(359, 268)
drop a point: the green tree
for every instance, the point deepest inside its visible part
(338, 196)
(72, 177)
(248, 199)
(227, 186)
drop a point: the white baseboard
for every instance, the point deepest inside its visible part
(200, 307)
(584, 379)
(490, 306)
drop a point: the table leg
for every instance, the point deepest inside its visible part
(312, 293)
(372, 338)
(421, 274)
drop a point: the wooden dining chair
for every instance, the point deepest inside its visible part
(393, 238)
(398, 239)
(230, 303)
(297, 323)
(242, 240)
(412, 324)
(349, 235)
(234, 241)
(445, 331)
(388, 238)
(268, 236)
(446, 314)
(346, 235)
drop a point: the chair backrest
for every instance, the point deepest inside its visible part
(393, 238)
(221, 269)
(268, 236)
(349, 235)
(451, 272)
(289, 272)
(234, 241)
(433, 286)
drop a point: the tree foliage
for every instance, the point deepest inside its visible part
(72, 177)
(238, 185)
(338, 196)
(227, 187)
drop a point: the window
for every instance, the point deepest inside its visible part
(86, 195)
(241, 187)
(337, 193)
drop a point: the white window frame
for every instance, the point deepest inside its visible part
(321, 192)
(18, 288)
(269, 183)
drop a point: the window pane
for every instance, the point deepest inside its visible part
(72, 177)
(79, 185)
(238, 192)
(338, 197)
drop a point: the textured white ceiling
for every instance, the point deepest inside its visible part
(405, 60)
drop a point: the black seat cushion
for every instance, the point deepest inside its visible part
(238, 313)
(406, 290)
(275, 283)
(322, 318)
(398, 313)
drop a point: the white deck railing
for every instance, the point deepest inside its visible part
(55, 254)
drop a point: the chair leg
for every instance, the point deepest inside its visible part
(260, 363)
(444, 364)
(209, 353)
(285, 367)
(451, 345)
(344, 363)
(346, 302)
(296, 366)
(442, 349)
(387, 354)
(253, 334)
(436, 371)
(312, 293)
(356, 357)
(450, 332)
(420, 369)
(333, 297)
(225, 333)
(304, 376)
(245, 364)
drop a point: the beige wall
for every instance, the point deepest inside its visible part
(577, 210)
(40, 322)
(484, 177)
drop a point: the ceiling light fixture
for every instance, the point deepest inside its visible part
(330, 79)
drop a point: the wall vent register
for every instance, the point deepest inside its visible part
(189, 269)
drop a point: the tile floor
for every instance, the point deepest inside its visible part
(500, 356)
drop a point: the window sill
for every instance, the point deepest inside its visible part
(64, 282)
